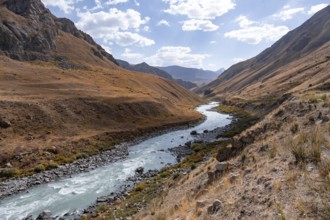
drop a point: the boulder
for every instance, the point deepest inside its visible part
(200, 204)
(193, 133)
(223, 166)
(188, 144)
(139, 170)
(214, 208)
(4, 123)
(224, 154)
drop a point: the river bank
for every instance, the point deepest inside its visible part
(20, 184)
(152, 154)
(135, 183)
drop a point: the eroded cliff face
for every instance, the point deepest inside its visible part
(29, 31)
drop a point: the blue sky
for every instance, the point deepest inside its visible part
(208, 34)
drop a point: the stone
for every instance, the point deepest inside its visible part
(233, 177)
(325, 119)
(139, 170)
(223, 166)
(188, 144)
(5, 123)
(224, 154)
(45, 215)
(193, 133)
(214, 208)
(9, 165)
(247, 139)
(200, 204)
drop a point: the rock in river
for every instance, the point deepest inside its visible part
(139, 170)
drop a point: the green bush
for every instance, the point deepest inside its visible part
(81, 155)
(51, 165)
(39, 168)
(8, 172)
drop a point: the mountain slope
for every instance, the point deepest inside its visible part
(297, 60)
(191, 74)
(60, 89)
(145, 68)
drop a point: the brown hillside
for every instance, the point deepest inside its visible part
(61, 90)
(296, 62)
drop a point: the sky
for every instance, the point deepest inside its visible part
(208, 34)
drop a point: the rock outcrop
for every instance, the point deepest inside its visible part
(29, 31)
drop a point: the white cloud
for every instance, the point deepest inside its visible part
(115, 2)
(213, 42)
(199, 25)
(171, 55)
(288, 13)
(317, 8)
(197, 9)
(243, 21)
(146, 28)
(252, 32)
(66, 6)
(115, 26)
(130, 55)
(163, 22)
(125, 38)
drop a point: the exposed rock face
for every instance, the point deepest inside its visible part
(24, 40)
(28, 31)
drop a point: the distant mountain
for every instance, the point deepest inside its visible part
(296, 62)
(145, 68)
(192, 74)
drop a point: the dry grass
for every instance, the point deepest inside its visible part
(49, 106)
(307, 146)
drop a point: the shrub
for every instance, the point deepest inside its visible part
(8, 172)
(272, 152)
(140, 187)
(81, 155)
(299, 152)
(39, 168)
(51, 165)
(193, 166)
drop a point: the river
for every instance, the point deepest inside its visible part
(83, 189)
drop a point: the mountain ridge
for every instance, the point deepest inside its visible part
(263, 69)
(146, 68)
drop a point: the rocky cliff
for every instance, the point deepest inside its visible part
(29, 31)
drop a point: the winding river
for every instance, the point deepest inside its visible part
(83, 189)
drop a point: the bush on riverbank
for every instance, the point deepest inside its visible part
(8, 172)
